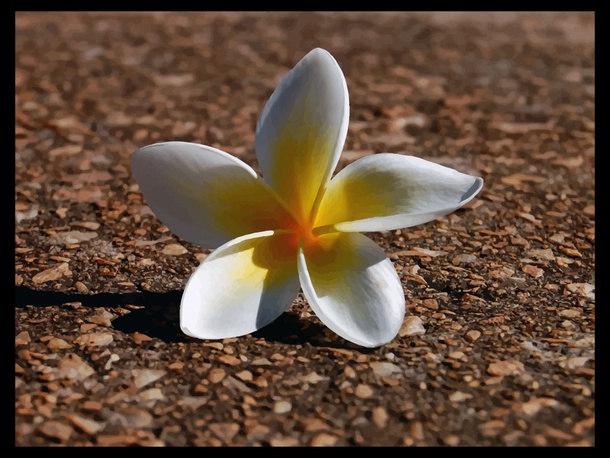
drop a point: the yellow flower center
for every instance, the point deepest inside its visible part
(300, 231)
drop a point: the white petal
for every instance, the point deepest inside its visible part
(391, 191)
(205, 195)
(302, 129)
(241, 287)
(353, 288)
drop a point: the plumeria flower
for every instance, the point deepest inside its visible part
(296, 227)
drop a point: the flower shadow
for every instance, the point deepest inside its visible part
(157, 315)
(150, 313)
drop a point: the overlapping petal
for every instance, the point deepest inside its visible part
(352, 287)
(301, 131)
(392, 191)
(205, 195)
(241, 287)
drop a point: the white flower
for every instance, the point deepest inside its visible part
(297, 227)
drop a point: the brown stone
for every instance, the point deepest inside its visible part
(224, 431)
(508, 367)
(55, 430)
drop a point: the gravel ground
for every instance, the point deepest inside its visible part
(497, 347)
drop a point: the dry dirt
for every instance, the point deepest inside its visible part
(498, 345)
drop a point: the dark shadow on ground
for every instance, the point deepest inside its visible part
(159, 321)
(289, 329)
(159, 317)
